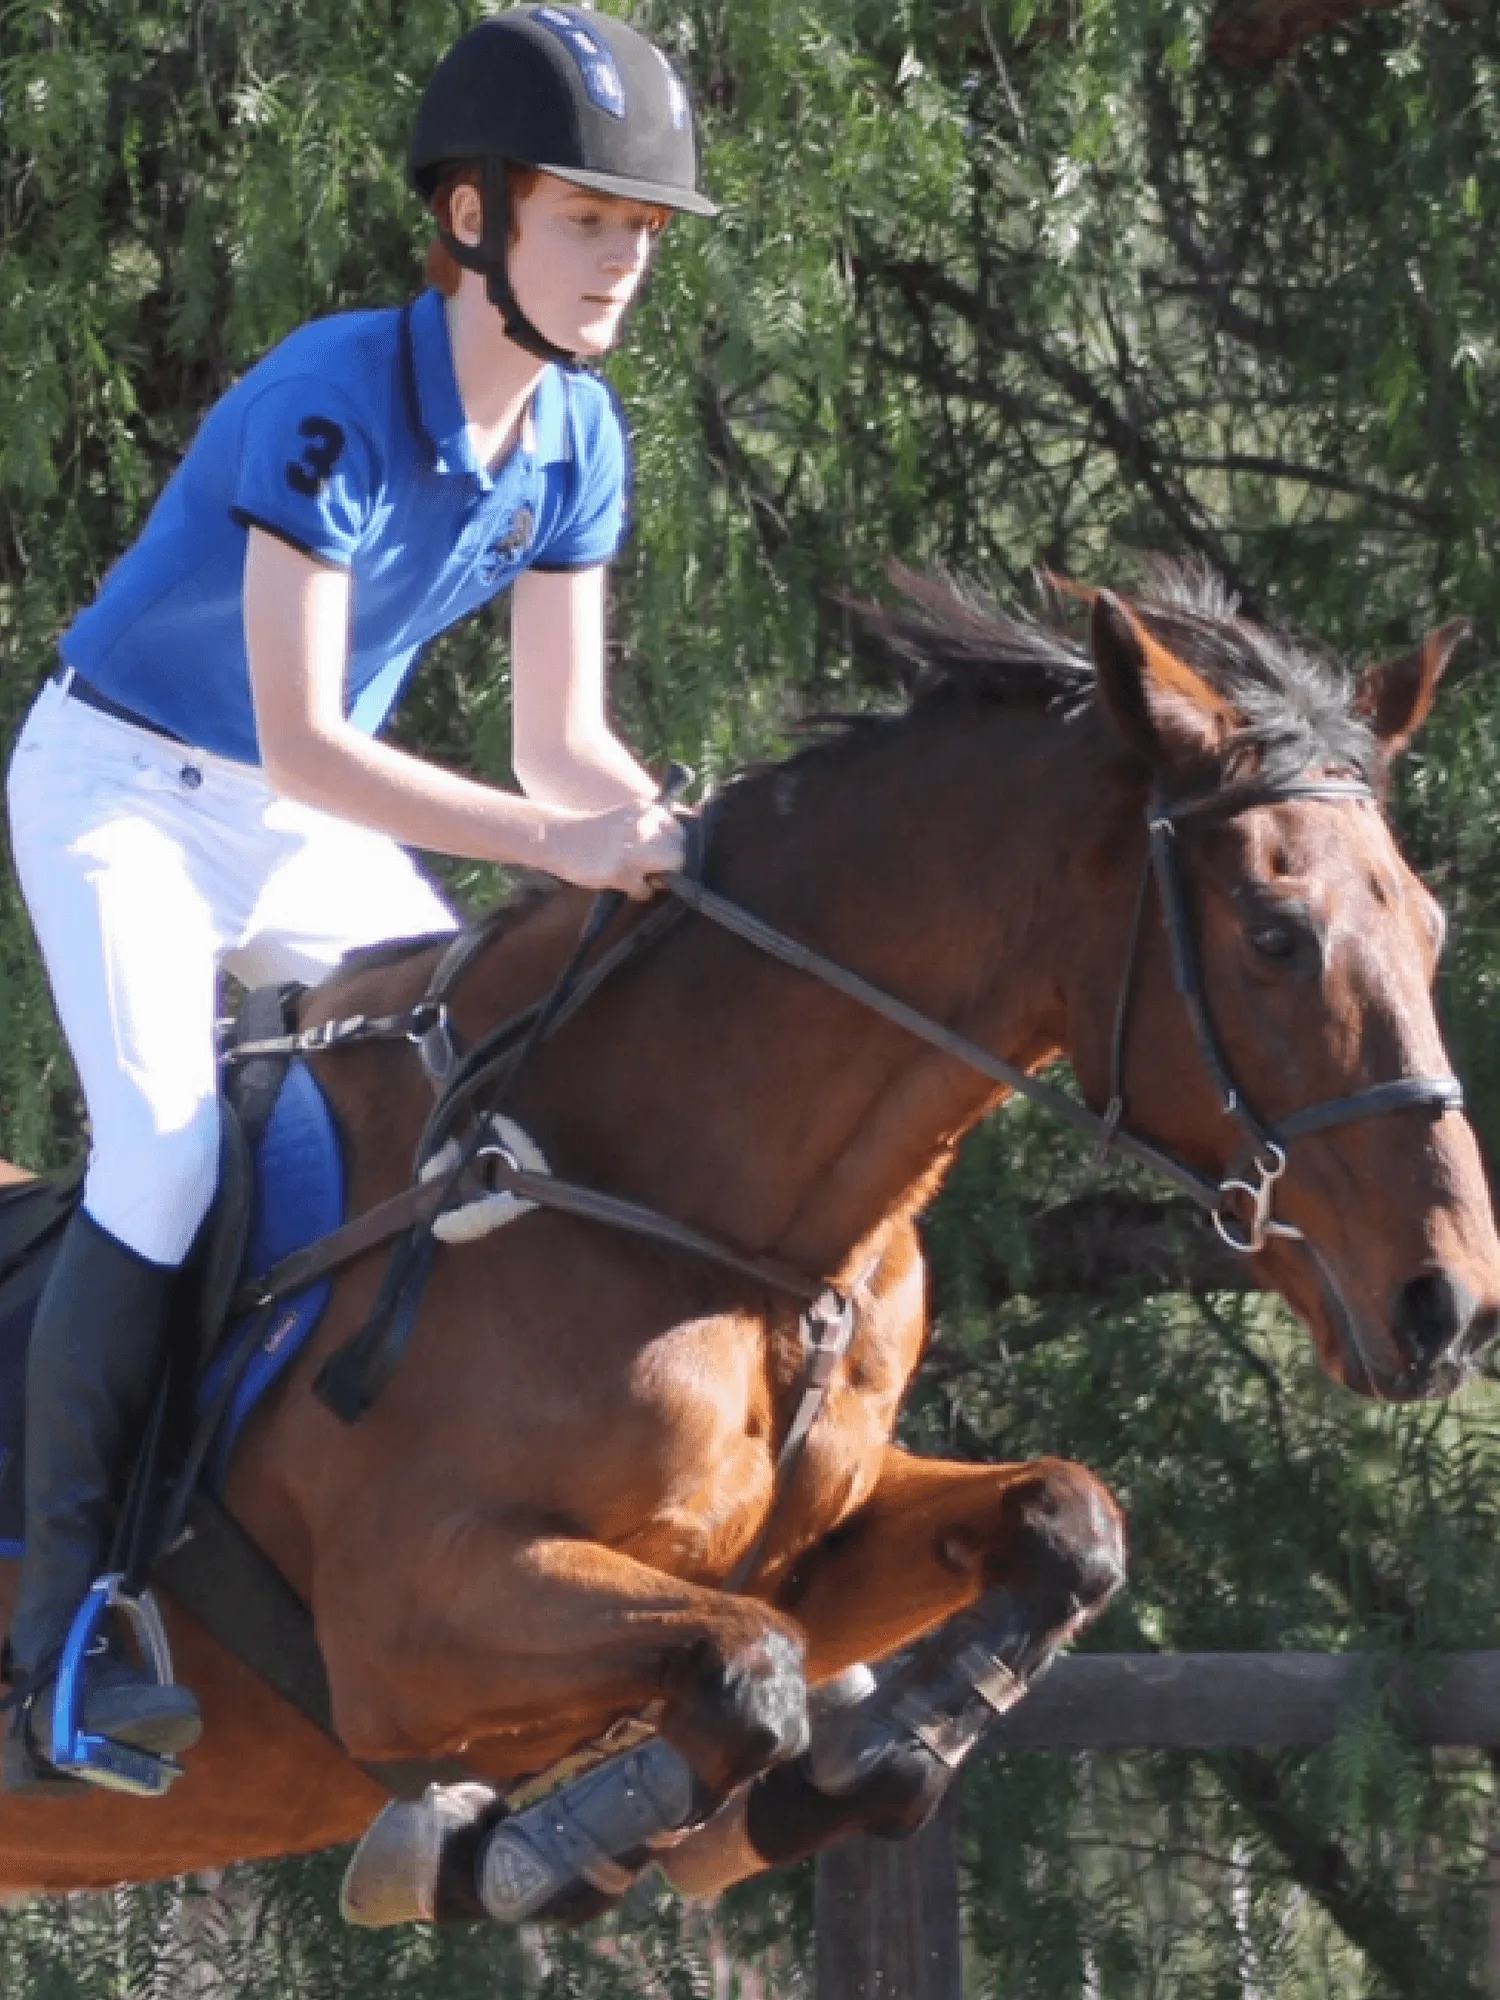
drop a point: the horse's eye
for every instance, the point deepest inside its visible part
(1275, 940)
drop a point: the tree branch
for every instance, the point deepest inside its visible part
(1315, 475)
(1108, 1240)
(1391, 1943)
(924, 286)
(733, 463)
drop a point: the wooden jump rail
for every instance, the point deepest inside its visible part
(888, 1912)
(1247, 1701)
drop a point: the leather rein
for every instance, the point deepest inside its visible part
(1239, 1202)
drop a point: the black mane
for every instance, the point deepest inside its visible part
(1297, 708)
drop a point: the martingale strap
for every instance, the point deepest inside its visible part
(352, 1378)
(828, 1319)
(496, 1061)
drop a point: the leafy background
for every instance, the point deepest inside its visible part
(1052, 282)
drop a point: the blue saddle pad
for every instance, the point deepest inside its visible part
(298, 1196)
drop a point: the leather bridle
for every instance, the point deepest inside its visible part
(1239, 1202)
(1241, 1205)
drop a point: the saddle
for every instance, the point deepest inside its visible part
(281, 1186)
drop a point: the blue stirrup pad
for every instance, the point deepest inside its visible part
(299, 1196)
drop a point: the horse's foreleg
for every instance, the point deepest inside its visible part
(1007, 1562)
(542, 1641)
(562, 1637)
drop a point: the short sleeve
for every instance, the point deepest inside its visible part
(594, 526)
(307, 470)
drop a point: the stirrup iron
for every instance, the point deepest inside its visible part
(100, 1760)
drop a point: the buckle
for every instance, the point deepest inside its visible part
(430, 1035)
(328, 1034)
(829, 1323)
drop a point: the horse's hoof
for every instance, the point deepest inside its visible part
(393, 1876)
(787, 1816)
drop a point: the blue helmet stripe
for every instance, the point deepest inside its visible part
(601, 79)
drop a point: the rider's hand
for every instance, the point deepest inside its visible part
(621, 849)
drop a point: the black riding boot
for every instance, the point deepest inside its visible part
(93, 1368)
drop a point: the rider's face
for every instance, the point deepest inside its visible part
(577, 261)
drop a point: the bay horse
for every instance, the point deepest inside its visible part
(528, 1536)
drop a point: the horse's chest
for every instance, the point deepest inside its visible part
(707, 1408)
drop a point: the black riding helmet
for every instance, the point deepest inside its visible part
(579, 95)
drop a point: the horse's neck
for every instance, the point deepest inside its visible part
(754, 1102)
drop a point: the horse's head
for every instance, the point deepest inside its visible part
(1314, 948)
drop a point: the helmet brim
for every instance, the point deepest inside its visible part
(662, 193)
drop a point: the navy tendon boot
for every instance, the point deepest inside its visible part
(96, 1352)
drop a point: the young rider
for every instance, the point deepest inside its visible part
(201, 784)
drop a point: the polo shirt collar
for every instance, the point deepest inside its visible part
(439, 409)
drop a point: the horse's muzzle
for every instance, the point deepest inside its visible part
(1438, 1325)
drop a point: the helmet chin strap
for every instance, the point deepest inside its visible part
(488, 258)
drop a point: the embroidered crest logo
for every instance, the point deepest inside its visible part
(513, 543)
(518, 533)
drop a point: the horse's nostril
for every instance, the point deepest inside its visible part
(1433, 1312)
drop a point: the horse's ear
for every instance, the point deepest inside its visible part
(1396, 699)
(1165, 710)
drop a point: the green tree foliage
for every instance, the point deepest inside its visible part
(1000, 283)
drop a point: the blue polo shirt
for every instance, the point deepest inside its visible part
(348, 441)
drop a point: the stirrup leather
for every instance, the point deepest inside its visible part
(117, 1767)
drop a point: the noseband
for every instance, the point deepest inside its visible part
(1239, 1203)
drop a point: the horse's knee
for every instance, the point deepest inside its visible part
(733, 1709)
(1063, 1541)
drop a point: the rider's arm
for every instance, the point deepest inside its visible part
(564, 752)
(297, 611)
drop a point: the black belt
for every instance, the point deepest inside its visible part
(78, 689)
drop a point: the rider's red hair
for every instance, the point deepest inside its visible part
(443, 268)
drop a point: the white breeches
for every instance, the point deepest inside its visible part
(147, 866)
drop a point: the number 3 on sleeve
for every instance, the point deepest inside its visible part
(325, 443)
